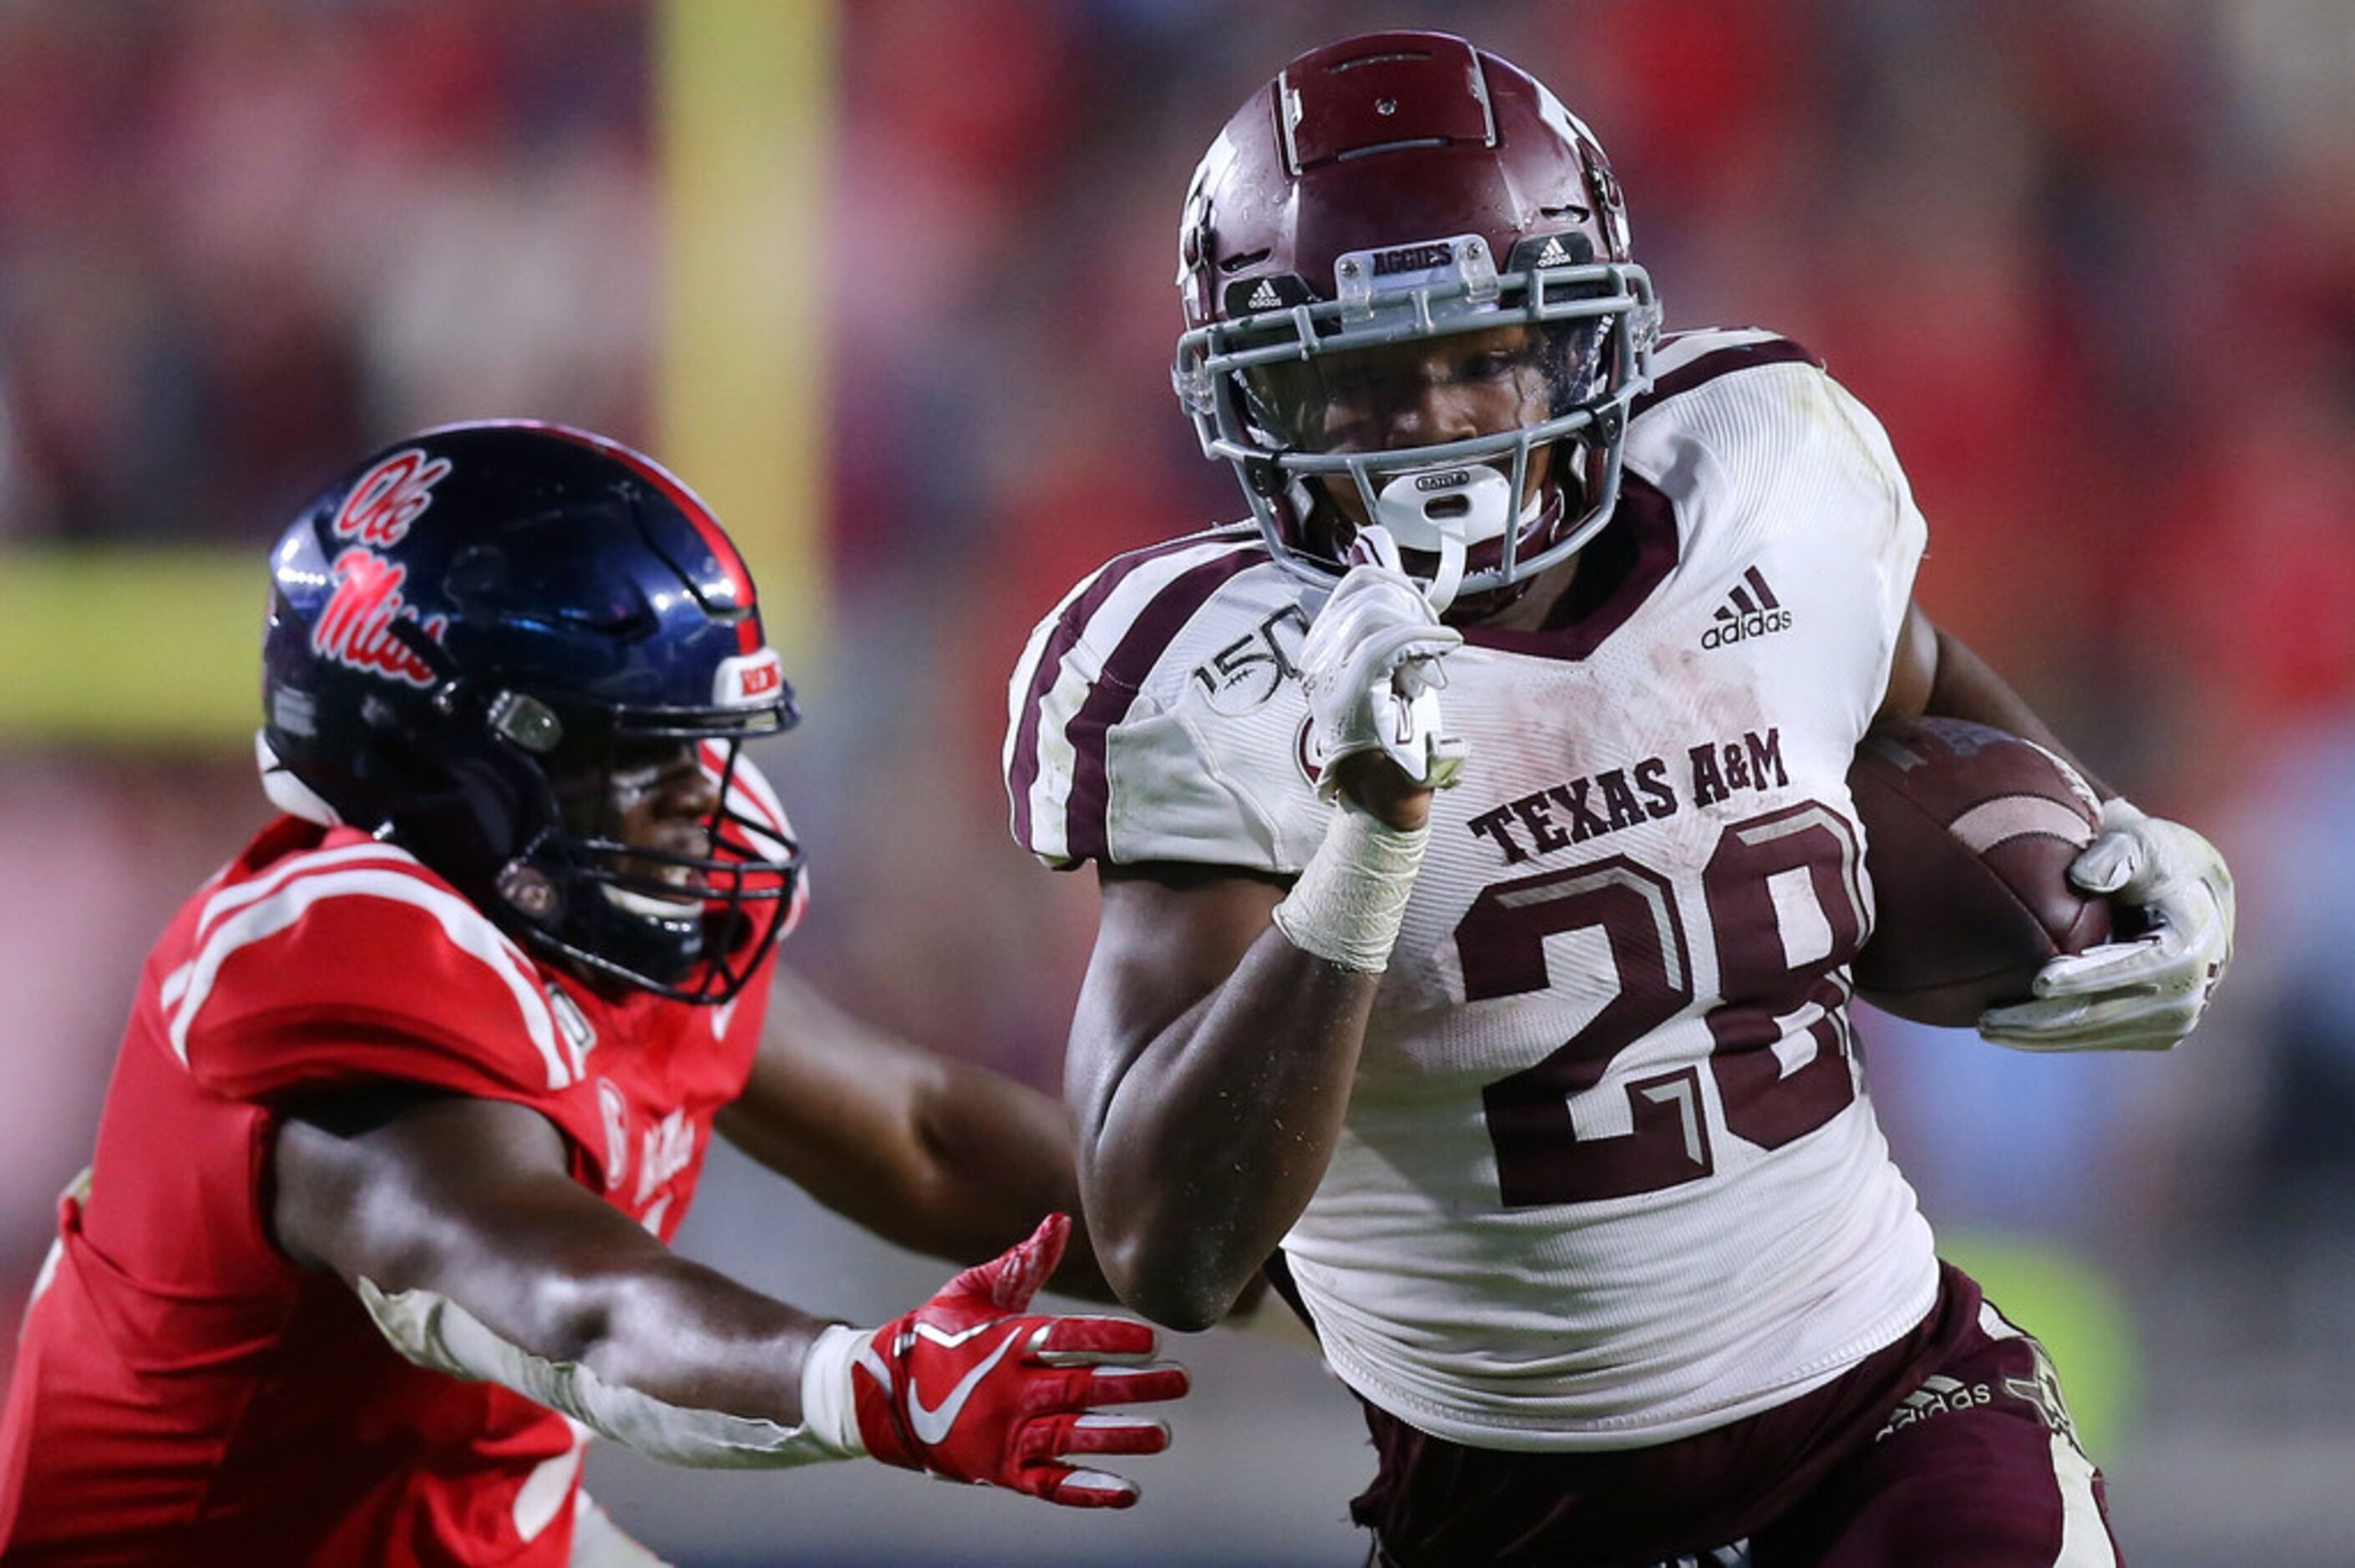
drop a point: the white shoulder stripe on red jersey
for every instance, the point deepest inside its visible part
(752, 798)
(186, 988)
(292, 866)
(762, 794)
(244, 892)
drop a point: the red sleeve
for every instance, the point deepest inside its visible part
(356, 966)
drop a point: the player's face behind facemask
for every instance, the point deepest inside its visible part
(667, 873)
(653, 797)
(1399, 407)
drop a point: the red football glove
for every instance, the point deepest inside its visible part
(967, 1387)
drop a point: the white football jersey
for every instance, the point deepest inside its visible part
(1609, 1175)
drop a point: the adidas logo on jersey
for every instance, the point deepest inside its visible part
(1938, 1395)
(1750, 610)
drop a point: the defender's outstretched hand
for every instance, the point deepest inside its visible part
(2145, 994)
(1372, 667)
(970, 1387)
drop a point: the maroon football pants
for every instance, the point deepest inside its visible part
(1950, 1448)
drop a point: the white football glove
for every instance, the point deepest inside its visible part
(1370, 666)
(2144, 994)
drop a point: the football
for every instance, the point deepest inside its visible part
(1969, 832)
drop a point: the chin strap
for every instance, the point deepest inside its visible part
(1441, 590)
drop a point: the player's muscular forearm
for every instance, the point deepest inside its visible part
(1210, 1067)
(455, 1224)
(1219, 1031)
(470, 1199)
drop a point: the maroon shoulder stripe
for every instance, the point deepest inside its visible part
(1721, 361)
(1086, 830)
(1059, 642)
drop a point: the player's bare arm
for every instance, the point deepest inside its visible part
(456, 1222)
(1210, 1067)
(471, 1198)
(1219, 1026)
(934, 1154)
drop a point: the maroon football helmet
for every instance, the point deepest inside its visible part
(1392, 209)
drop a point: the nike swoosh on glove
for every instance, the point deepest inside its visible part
(1370, 665)
(2147, 993)
(970, 1387)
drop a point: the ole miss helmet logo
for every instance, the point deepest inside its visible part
(390, 497)
(355, 629)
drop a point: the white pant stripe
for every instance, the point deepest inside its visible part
(2084, 1539)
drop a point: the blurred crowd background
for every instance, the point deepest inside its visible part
(2091, 260)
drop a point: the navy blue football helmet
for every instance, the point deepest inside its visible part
(472, 629)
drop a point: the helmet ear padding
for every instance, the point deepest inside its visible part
(455, 801)
(436, 784)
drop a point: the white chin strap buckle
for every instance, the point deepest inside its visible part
(1445, 512)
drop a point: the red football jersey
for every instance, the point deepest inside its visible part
(184, 1392)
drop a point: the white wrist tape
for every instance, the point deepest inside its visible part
(829, 1411)
(1351, 896)
(434, 1331)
